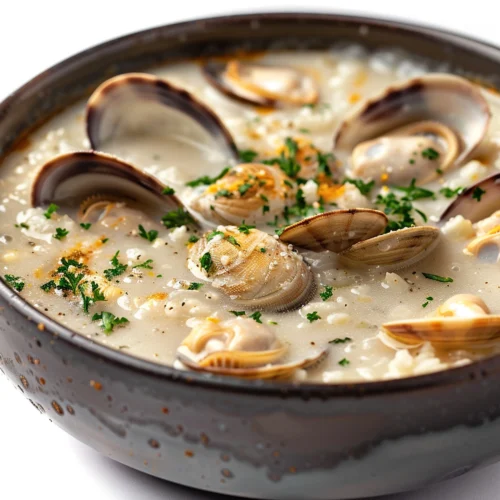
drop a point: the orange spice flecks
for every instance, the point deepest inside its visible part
(37, 273)
(157, 296)
(328, 191)
(41, 327)
(384, 177)
(354, 98)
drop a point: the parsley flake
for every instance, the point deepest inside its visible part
(60, 233)
(205, 180)
(145, 265)
(108, 321)
(168, 191)
(338, 340)
(176, 218)
(117, 269)
(194, 286)
(344, 362)
(238, 313)
(52, 208)
(363, 187)
(245, 228)
(436, 277)
(430, 154)
(15, 282)
(206, 262)
(150, 235)
(327, 293)
(85, 225)
(477, 194)
(314, 316)
(256, 316)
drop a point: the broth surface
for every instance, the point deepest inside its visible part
(153, 298)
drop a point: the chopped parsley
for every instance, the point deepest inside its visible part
(436, 277)
(108, 321)
(194, 286)
(52, 208)
(223, 193)
(338, 340)
(206, 262)
(205, 180)
(238, 313)
(414, 192)
(450, 193)
(117, 269)
(15, 282)
(327, 293)
(193, 239)
(427, 300)
(145, 265)
(430, 154)
(176, 218)
(344, 362)
(262, 249)
(23, 225)
(245, 228)
(247, 155)
(70, 279)
(314, 316)
(150, 235)
(87, 301)
(477, 194)
(168, 190)
(287, 160)
(232, 240)
(213, 234)
(243, 188)
(85, 225)
(323, 163)
(363, 187)
(256, 316)
(50, 285)
(60, 233)
(105, 240)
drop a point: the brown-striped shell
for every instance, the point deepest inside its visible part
(71, 179)
(136, 103)
(414, 129)
(261, 84)
(254, 269)
(335, 231)
(462, 321)
(476, 202)
(250, 192)
(240, 347)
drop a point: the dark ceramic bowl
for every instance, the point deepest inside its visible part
(254, 439)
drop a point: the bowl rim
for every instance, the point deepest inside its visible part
(451, 376)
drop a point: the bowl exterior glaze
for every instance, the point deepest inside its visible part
(253, 439)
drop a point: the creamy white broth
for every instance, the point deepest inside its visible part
(161, 312)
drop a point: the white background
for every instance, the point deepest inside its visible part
(39, 460)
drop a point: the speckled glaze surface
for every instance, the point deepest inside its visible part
(253, 439)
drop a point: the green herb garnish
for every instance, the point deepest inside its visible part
(450, 193)
(213, 234)
(477, 194)
(327, 293)
(232, 240)
(430, 154)
(363, 187)
(205, 180)
(117, 269)
(87, 301)
(314, 316)
(287, 160)
(52, 208)
(256, 316)
(206, 262)
(195, 286)
(15, 282)
(176, 218)
(85, 225)
(168, 190)
(23, 225)
(70, 280)
(150, 235)
(46, 287)
(344, 362)
(193, 239)
(144, 265)
(338, 340)
(245, 228)
(243, 188)
(247, 155)
(60, 233)
(238, 313)
(108, 321)
(223, 193)
(414, 192)
(428, 299)
(436, 277)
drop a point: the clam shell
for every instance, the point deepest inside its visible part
(469, 207)
(261, 85)
(335, 231)
(446, 99)
(267, 188)
(393, 250)
(138, 102)
(446, 333)
(70, 178)
(260, 272)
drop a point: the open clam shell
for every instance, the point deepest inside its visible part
(477, 202)
(242, 348)
(394, 132)
(71, 178)
(260, 84)
(393, 250)
(140, 103)
(335, 231)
